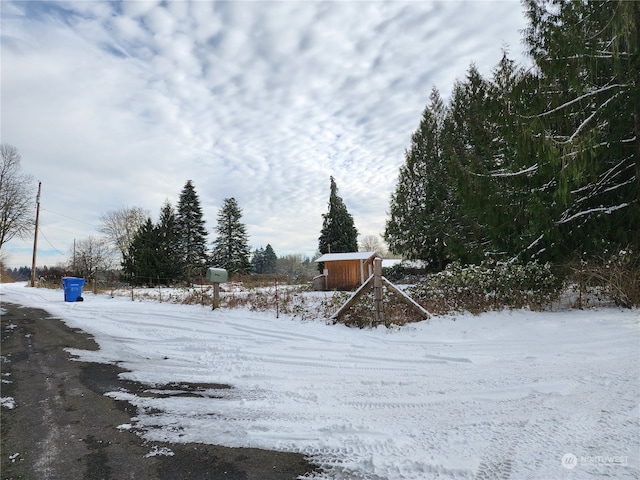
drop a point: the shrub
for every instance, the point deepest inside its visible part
(615, 278)
(395, 272)
(404, 272)
(488, 286)
(289, 300)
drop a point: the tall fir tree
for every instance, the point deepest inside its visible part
(231, 246)
(517, 208)
(257, 260)
(264, 260)
(338, 234)
(418, 224)
(152, 257)
(191, 233)
(544, 162)
(503, 207)
(141, 261)
(270, 261)
(169, 268)
(468, 152)
(587, 67)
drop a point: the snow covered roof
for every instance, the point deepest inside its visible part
(331, 257)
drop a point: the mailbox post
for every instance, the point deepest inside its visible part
(217, 276)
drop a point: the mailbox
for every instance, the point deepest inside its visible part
(217, 275)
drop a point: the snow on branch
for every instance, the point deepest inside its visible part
(514, 259)
(503, 173)
(606, 210)
(606, 178)
(588, 119)
(575, 100)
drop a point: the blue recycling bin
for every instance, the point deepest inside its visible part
(72, 287)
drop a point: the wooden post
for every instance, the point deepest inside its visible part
(377, 289)
(275, 281)
(216, 295)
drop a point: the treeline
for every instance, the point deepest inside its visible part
(532, 163)
(175, 248)
(24, 273)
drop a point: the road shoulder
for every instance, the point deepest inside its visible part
(61, 425)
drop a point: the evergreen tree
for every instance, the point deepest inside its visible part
(257, 260)
(489, 149)
(463, 192)
(231, 248)
(141, 261)
(191, 233)
(587, 63)
(169, 268)
(542, 163)
(338, 234)
(264, 260)
(468, 152)
(518, 208)
(418, 225)
(270, 260)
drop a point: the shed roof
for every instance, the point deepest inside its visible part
(332, 257)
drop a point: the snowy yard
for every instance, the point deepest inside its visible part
(516, 395)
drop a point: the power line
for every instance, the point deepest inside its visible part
(70, 218)
(50, 244)
(61, 230)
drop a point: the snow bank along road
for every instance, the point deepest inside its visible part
(508, 395)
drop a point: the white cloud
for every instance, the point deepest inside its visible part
(121, 104)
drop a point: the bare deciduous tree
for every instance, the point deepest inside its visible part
(16, 197)
(120, 226)
(91, 255)
(373, 243)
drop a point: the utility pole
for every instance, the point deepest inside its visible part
(35, 238)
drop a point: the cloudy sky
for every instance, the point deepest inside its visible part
(115, 104)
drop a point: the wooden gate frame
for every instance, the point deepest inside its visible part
(376, 280)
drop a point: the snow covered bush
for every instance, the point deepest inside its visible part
(286, 299)
(488, 286)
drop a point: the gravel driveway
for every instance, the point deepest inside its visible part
(57, 424)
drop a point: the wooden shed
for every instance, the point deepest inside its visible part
(344, 271)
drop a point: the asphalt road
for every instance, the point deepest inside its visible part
(63, 427)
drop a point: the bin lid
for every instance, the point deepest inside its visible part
(72, 280)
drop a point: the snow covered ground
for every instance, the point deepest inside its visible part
(517, 395)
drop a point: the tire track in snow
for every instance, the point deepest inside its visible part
(498, 465)
(417, 403)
